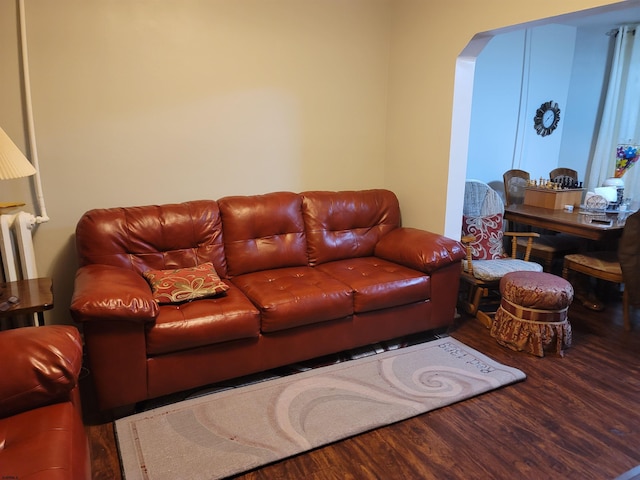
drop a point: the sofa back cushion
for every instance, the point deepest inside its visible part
(157, 237)
(263, 232)
(347, 224)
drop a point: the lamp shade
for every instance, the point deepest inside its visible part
(13, 163)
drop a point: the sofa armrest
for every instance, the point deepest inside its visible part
(419, 249)
(105, 292)
(40, 366)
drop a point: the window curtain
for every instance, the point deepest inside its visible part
(620, 117)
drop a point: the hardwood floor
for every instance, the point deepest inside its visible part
(576, 417)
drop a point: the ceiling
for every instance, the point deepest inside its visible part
(609, 16)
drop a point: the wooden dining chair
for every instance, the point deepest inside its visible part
(621, 267)
(601, 265)
(548, 247)
(515, 182)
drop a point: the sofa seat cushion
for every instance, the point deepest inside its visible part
(378, 283)
(47, 442)
(295, 296)
(203, 322)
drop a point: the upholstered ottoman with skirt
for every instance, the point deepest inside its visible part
(533, 313)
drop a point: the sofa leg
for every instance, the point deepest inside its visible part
(124, 411)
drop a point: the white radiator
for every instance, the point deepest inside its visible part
(16, 245)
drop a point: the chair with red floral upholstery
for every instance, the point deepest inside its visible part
(486, 262)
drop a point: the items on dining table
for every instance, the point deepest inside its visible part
(551, 195)
(563, 183)
(608, 197)
(626, 157)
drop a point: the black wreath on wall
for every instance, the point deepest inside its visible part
(547, 118)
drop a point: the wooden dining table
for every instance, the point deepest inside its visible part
(580, 223)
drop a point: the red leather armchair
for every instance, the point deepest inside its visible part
(41, 430)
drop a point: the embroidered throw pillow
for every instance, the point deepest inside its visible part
(185, 284)
(488, 233)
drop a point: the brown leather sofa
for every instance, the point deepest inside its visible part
(41, 429)
(309, 274)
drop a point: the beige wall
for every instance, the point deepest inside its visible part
(164, 101)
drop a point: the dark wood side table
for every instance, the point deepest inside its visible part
(34, 296)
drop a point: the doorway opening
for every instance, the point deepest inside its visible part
(605, 18)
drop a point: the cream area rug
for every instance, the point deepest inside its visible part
(236, 430)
